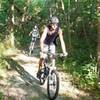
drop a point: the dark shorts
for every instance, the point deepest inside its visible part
(34, 39)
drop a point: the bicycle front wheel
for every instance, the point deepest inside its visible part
(53, 85)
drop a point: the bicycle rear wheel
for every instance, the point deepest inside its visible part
(53, 85)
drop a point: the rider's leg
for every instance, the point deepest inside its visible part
(33, 45)
(52, 49)
(40, 67)
(41, 63)
(30, 48)
(33, 42)
(42, 57)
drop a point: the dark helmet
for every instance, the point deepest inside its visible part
(55, 20)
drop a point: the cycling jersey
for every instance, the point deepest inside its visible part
(51, 38)
(35, 33)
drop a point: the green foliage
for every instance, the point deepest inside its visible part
(1, 96)
(78, 21)
(84, 73)
(2, 60)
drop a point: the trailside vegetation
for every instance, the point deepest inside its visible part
(79, 21)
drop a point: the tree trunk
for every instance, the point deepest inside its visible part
(98, 41)
(67, 20)
(0, 4)
(25, 13)
(11, 23)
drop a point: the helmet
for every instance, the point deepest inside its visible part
(35, 27)
(55, 20)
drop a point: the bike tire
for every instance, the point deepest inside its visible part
(42, 79)
(55, 94)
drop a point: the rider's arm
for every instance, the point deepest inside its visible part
(62, 42)
(43, 38)
(30, 33)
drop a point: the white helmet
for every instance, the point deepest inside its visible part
(35, 27)
(55, 20)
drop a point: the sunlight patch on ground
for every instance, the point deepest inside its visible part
(31, 68)
(26, 59)
(25, 82)
(11, 52)
(66, 86)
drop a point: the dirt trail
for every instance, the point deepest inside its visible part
(21, 82)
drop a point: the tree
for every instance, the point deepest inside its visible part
(98, 41)
(11, 22)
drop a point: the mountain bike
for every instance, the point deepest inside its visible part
(35, 35)
(31, 47)
(51, 75)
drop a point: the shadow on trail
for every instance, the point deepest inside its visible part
(33, 89)
(31, 84)
(23, 74)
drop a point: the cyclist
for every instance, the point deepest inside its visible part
(35, 35)
(48, 40)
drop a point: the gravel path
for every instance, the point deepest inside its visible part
(21, 82)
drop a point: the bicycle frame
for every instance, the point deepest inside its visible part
(31, 47)
(51, 75)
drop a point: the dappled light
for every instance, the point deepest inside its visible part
(78, 27)
(23, 83)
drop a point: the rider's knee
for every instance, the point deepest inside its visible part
(53, 57)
